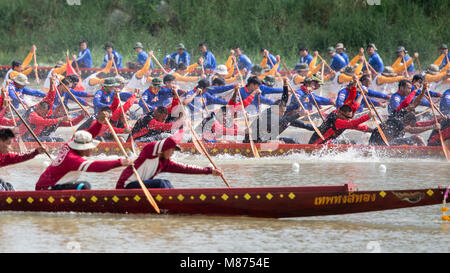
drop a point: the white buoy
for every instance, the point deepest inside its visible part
(295, 167)
(382, 168)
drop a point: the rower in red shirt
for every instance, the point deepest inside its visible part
(342, 119)
(65, 170)
(155, 158)
(9, 158)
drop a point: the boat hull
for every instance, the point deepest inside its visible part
(244, 149)
(268, 202)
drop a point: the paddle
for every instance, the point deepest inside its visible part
(305, 111)
(64, 108)
(22, 147)
(30, 130)
(249, 130)
(35, 65)
(371, 109)
(144, 188)
(75, 99)
(444, 146)
(114, 64)
(125, 120)
(157, 62)
(195, 139)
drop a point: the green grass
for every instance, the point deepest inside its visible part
(280, 26)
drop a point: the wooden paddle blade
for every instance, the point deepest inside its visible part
(146, 192)
(444, 146)
(22, 147)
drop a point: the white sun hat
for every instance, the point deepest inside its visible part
(221, 70)
(82, 140)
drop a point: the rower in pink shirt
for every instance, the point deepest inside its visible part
(65, 170)
(8, 158)
(155, 158)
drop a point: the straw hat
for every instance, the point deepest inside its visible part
(82, 140)
(432, 69)
(221, 70)
(340, 46)
(21, 79)
(349, 70)
(388, 71)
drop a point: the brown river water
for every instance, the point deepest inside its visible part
(406, 230)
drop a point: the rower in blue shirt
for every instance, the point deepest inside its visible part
(17, 86)
(155, 96)
(117, 58)
(340, 49)
(141, 58)
(105, 96)
(306, 95)
(404, 88)
(209, 61)
(375, 60)
(444, 106)
(218, 86)
(305, 57)
(199, 98)
(337, 61)
(242, 60)
(402, 53)
(84, 58)
(444, 51)
(254, 83)
(266, 55)
(181, 56)
(365, 83)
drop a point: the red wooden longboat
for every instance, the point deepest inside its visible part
(271, 202)
(244, 149)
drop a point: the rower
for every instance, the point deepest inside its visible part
(375, 60)
(198, 99)
(365, 83)
(181, 56)
(220, 125)
(181, 72)
(4, 121)
(404, 89)
(155, 96)
(404, 60)
(84, 59)
(209, 59)
(274, 120)
(117, 58)
(18, 67)
(155, 158)
(399, 123)
(65, 170)
(115, 119)
(243, 62)
(142, 57)
(253, 83)
(155, 125)
(8, 158)
(266, 56)
(105, 96)
(443, 59)
(18, 86)
(434, 139)
(305, 57)
(337, 62)
(40, 120)
(306, 95)
(342, 119)
(340, 49)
